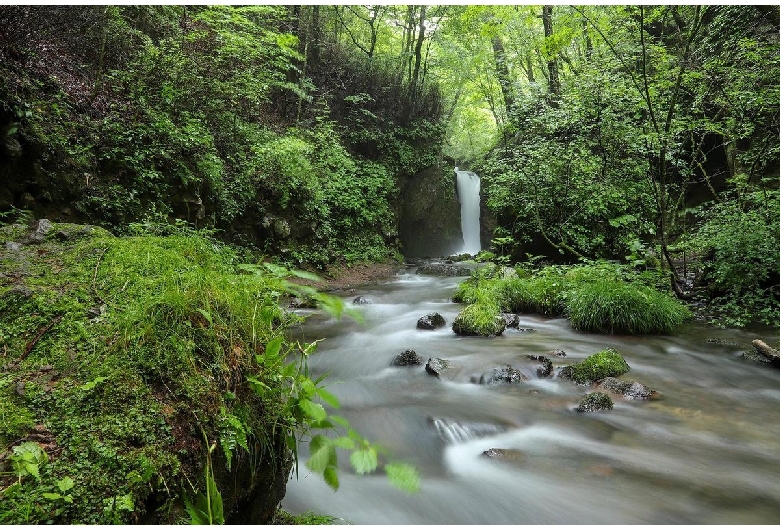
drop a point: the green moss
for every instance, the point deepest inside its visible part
(606, 363)
(283, 517)
(480, 319)
(613, 306)
(121, 350)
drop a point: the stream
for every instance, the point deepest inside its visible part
(706, 452)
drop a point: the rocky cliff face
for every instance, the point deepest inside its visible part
(429, 218)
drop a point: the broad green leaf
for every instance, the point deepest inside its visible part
(364, 460)
(52, 496)
(328, 398)
(322, 454)
(306, 275)
(331, 477)
(313, 410)
(403, 477)
(65, 484)
(344, 443)
(338, 420)
(272, 348)
(206, 315)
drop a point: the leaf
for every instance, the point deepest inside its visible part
(328, 398)
(206, 315)
(344, 443)
(364, 460)
(313, 410)
(92, 384)
(52, 496)
(331, 477)
(273, 347)
(338, 420)
(403, 477)
(322, 452)
(65, 484)
(306, 275)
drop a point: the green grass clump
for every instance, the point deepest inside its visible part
(481, 319)
(283, 517)
(613, 306)
(542, 295)
(606, 363)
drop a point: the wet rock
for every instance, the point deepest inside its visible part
(303, 303)
(766, 350)
(436, 366)
(452, 431)
(407, 358)
(627, 389)
(547, 366)
(721, 342)
(754, 357)
(13, 246)
(511, 320)
(595, 402)
(500, 375)
(362, 300)
(512, 455)
(606, 363)
(557, 353)
(11, 147)
(526, 330)
(443, 269)
(20, 291)
(431, 321)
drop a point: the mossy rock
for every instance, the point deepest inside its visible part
(481, 320)
(606, 363)
(595, 402)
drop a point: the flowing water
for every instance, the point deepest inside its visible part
(706, 452)
(468, 194)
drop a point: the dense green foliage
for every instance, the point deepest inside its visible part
(211, 115)
(134, 359)
(597, 297)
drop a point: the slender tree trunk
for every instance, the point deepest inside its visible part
(502, 70)
(552, 63)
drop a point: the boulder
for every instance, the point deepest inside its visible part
(511, 320)
(431, 321)
(500, 375)
(547, 366)
(595, 402)
(606, 363)
(303, 303)
(362, 300)
(627, 389)
(510, 455)
(557, 353)
(443, 269)
(436, 366)
(478, 320)
(41, 229)
(407, 358)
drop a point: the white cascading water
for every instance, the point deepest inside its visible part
(468, 193)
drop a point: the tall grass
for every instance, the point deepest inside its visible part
(613, 306)
(601, 297)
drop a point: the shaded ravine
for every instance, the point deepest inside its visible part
(706, 452)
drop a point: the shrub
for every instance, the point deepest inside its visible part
(606, 363)
(613, 306)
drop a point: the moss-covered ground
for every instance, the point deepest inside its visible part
(119, 358)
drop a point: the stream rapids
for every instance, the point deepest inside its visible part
(706, 452)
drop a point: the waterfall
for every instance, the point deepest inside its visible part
(468, 193)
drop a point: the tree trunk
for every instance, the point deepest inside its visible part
(552, 63)
(502, 70)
